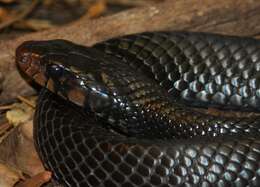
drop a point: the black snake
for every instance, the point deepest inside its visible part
(143, 112)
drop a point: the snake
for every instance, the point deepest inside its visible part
(164, 108)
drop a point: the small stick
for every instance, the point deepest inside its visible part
(6, 107)
(20, 16)
(26, 101)
(4, 128)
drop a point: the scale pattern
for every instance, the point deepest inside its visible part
(201, 69)
(82, 153)
(204, 69)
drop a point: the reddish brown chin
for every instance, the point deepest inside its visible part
(29, 63)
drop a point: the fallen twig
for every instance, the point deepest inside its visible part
(19, 15)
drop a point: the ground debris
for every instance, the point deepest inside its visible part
(15, 13)
(9, 176)
(20, 112)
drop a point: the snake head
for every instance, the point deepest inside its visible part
(81, 75)
(66, 69)
(31, 58)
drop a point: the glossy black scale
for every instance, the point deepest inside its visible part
(195, 68)
(83, 153)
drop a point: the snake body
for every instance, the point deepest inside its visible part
(125, 112)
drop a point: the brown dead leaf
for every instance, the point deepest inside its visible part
(19, 13)
(8, 1)
(27, 158)
(33, 24)
(135, 2)
(97, 9)
(18, 150)
(5, 130)
(36, 181)
(9, 176)
(17, 113)
(20, 113)
(3, 14)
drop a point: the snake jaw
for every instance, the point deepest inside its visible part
(30, 64)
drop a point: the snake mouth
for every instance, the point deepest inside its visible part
(53, 69)
(36, 66)
(29, 62)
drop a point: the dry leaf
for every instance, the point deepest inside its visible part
(33, 24)
(27, 158)
(36, 181)
(3, 14)
(8, 1)
(5, 130)
(20, 113)
(22, 10)
(135, 2)
(9, 176)
(97, 9)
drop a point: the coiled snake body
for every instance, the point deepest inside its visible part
(129, 109)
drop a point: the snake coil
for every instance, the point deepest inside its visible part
(132, 111)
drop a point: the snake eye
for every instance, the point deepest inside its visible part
(54, 70)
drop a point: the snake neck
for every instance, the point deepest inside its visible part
(138, 107)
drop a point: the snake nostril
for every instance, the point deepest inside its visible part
(23, 61)
(22, 51)
(25, 58)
